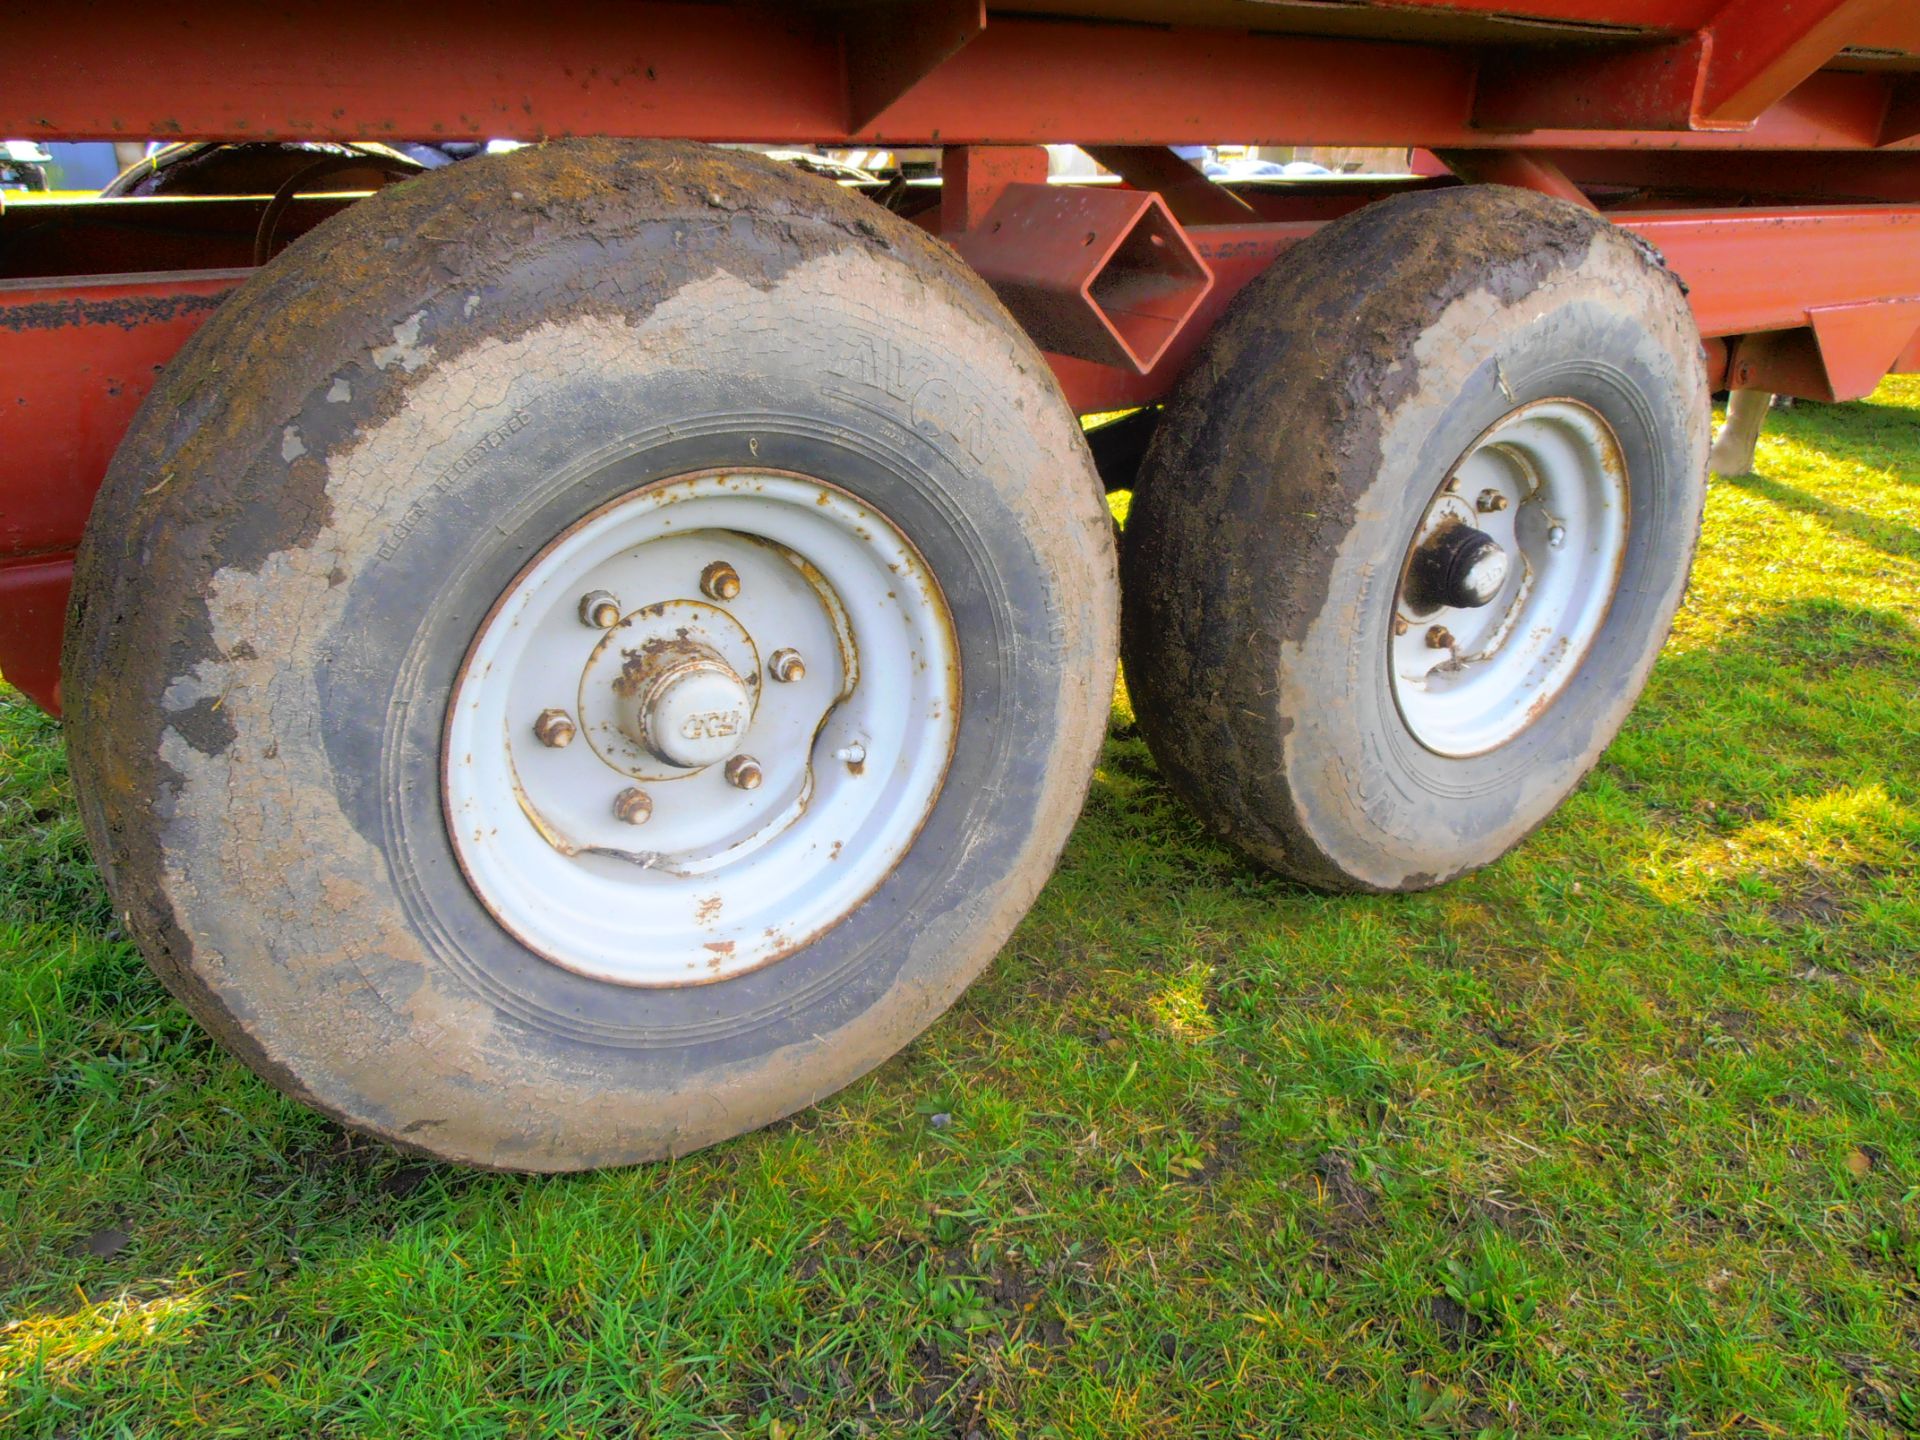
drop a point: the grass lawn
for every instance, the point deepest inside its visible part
(1616, 1138)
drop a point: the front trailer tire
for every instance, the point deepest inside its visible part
(1315, 438)
(350, 464)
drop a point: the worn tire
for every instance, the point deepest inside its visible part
(1267, 536)
(342, 470)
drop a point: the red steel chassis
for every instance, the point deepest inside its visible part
(1770, 149)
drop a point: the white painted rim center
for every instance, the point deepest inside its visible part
(1549, 485)
(753, 833)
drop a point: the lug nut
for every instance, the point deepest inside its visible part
(786, 665)
(743, 772)
(599, 610)
(854, 754)
(1439, 638)
(633, 805)
(1490, 502)
(720, 581)
(553, 728)
(1556, 537)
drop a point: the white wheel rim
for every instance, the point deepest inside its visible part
(1548, 484)
(715, 879)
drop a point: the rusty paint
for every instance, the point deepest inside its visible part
(599, 610)
(633, 806)
(743, 772)
(720, 581)
(552, 728)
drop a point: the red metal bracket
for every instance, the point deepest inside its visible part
(77, 357)
(1190, 195)
(1903, 113)
(1102, 275)
(1842, 355)
(888, 49)
(1521, 169)
(1761, 49)
(33, 597)
(973, 178)
(1722, 77)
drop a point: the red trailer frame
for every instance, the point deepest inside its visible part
(1771, 152)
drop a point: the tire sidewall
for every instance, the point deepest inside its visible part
(1578, 344)
(294, 879)
(1289, 473)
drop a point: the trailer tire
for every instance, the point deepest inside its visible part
(311, 563)
(1302, 677)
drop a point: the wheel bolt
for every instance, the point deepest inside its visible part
(1490, 502)
(1439, 638)
(786, 665)
(720, 581)
(553, 728)
(743, 772)
(633, 805)
(1556, 537)
(854, 754)
(599, 610)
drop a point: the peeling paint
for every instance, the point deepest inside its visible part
(406, 351)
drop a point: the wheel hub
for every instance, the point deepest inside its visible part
(683, 703)
(710, 823)
(692, 714)
(1500, 598)
(672, 686)
(1459, 567)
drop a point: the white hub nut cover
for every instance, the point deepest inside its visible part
(689, 709)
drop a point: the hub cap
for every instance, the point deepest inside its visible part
(1509, 578)
(712, 821)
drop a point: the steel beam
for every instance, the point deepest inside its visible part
(1735, 263)
(1099, 273)
(1521, 169)
(1190, 195)
(1751, 270)
(77, 357)
(1748, 58)
(778, 75)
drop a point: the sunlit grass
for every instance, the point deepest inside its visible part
(1620, 1137)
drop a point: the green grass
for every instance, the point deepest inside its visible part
(1616, 1138)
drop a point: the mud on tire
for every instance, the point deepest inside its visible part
(1270, 531)
(347, 466)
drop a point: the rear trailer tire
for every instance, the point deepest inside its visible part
(752, 486)
(1411, 533)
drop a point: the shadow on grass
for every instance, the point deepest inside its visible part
(1797, 710)
(1887, 536)
(1877, 435)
